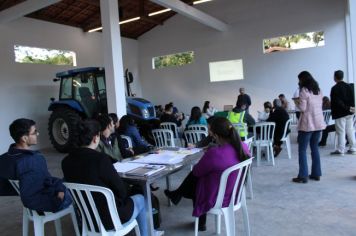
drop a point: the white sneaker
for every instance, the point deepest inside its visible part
(159, 232)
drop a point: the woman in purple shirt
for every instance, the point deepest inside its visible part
(206, 174)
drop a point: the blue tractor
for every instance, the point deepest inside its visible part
(83, 95)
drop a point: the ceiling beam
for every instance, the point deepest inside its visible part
(193, 13)
(23, 9)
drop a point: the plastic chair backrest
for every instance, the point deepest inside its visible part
(241, 169)
(264, 131)
(194, 136)
(83, 196)
(163, 137)
(171, 126)
(249, 142)
(128, 140)
(198, 127)
(286, 127)
(327, 115)
(292, 114)
(16, 186)
(241, 128)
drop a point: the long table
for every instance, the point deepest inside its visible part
(145, 181)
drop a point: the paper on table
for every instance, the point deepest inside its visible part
(123, 167)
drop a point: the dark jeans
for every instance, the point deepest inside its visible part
(311, 138)
(187, 190)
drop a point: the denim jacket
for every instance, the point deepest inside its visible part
(38, 189)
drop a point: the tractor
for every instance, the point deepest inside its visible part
(83, 95)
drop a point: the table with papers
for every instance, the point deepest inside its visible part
(146, 169)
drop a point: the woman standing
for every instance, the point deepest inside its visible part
(310, 125)
(205, 177)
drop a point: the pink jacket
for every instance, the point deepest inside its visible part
(310, 106)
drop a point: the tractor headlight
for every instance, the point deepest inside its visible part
(145, 113)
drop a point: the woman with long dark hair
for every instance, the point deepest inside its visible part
(208, 110)
(196, 117)
(310, 125)
(205, 176)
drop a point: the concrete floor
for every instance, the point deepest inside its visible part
(279, 207)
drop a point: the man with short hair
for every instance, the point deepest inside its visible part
(168, 116)
(108, 144)
(38, 189)
(342, 109)
(243, 98)
(239, 115)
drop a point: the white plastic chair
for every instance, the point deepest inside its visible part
(83, 197)
(327, 115)
(194, 136)
(128, 140)
(163, 137)
(263, 137)
(292, 114)
(40, 220)
(286, 138)
(237, 201)
(249, 142)
(198, 127)
(241, 128)
(171, 126)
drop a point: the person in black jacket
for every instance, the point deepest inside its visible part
(38, 189)
(85, 165)
(169, 116)
(244, 98)
(279, 116)
(342, 109)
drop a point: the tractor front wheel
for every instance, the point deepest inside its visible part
(62, 129)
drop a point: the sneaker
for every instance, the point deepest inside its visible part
(316, 178)
(351, 152)
(159, 233)
(337, 152)
(300, 180)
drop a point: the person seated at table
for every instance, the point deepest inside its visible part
(38, 189)
(168, 116)
(263, 115)
(280, 117)
(85, 165)
(239, 115)
(108, 144)
(196, 117)
(208, 110)
(125, 151)
(128, 127)
(283, 99)
(207, 141)
(202, 184)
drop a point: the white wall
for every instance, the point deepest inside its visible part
(250, 22)
(26, 88)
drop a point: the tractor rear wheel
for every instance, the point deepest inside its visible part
(62, 128)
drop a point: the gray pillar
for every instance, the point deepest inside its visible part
(112, 48)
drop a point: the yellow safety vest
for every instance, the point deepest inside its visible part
(238, 117)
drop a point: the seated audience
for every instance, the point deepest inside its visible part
(159, 110)
(168, 116)
(124, 149)
(285, 103)
(208, 110)
(196, 117)
(96, 169)
(202, 184)
(329, 128)
(279, 116)
(263, 115)
(38, 189)
(108, 144)
(239, 115)
(129, 128)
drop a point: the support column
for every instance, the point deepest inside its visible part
(114, 71)
(351, 41)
